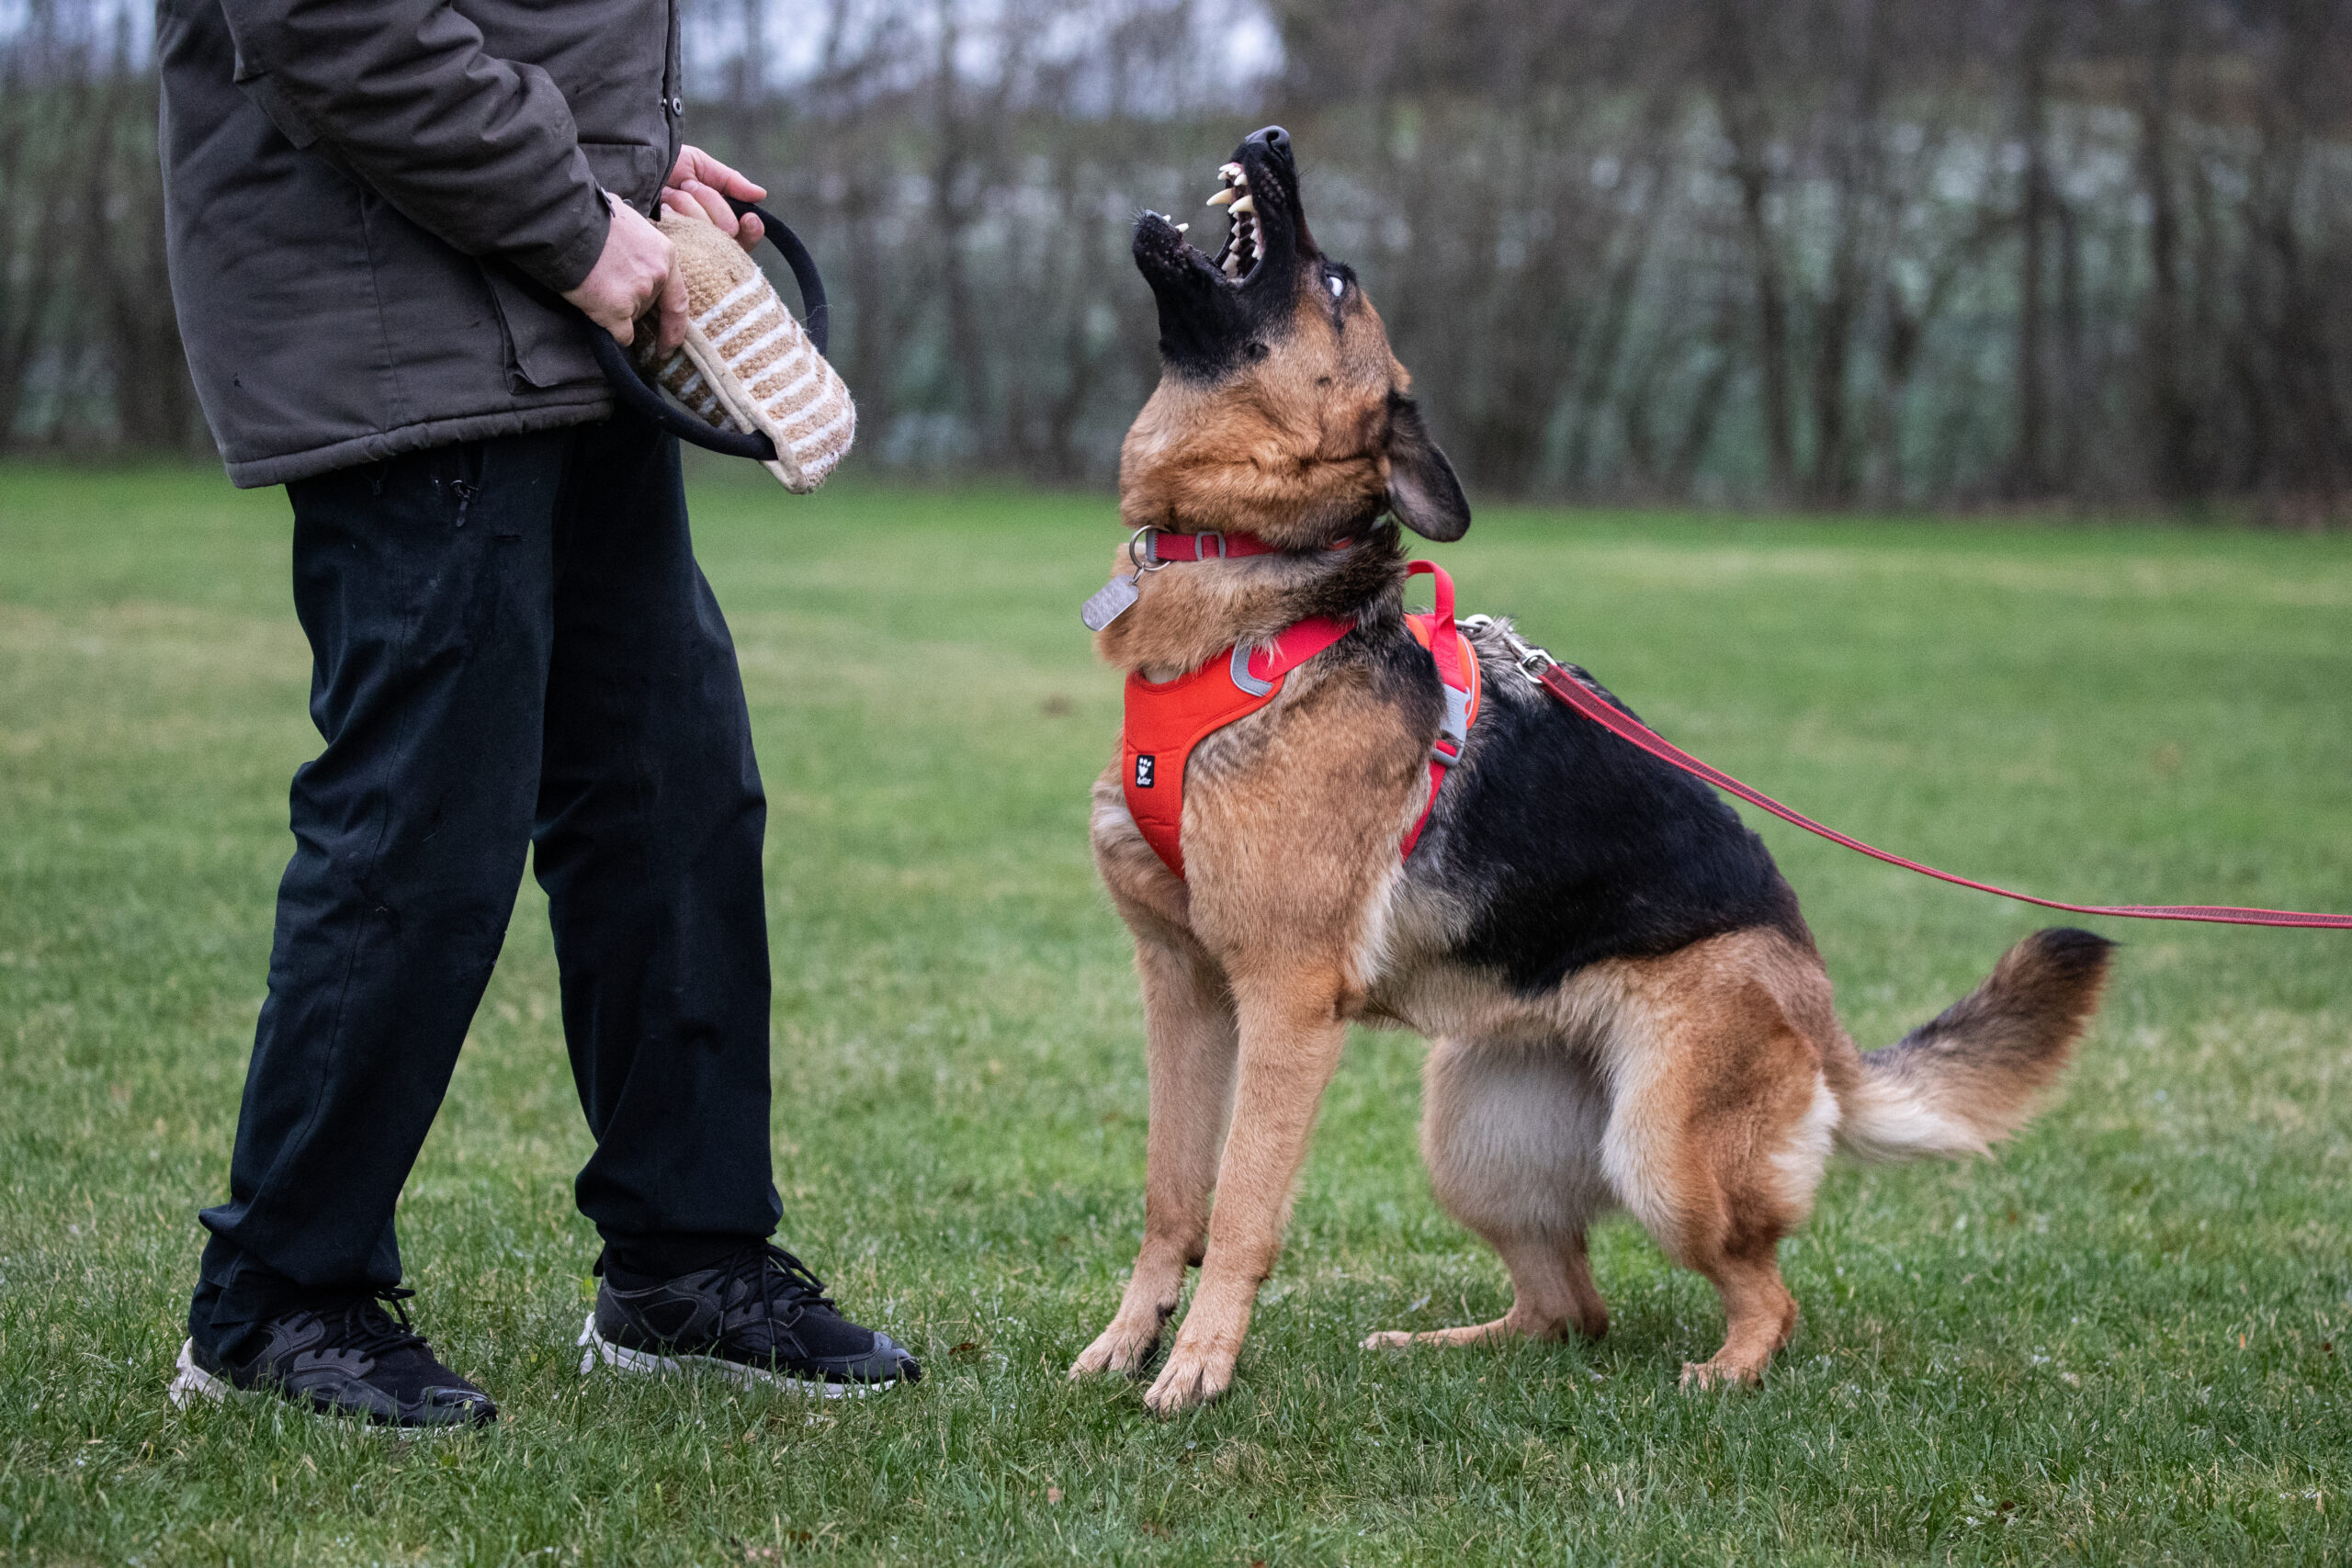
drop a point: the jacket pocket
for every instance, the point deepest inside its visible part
(261, 88)
(544, 346)
(630, 170)
(543, 341)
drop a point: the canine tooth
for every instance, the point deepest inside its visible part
(1181, 227)
(1247, 204)
(1221, 197)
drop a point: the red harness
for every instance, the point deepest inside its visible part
(1166, 720)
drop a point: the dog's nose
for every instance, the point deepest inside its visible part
(1274, 140)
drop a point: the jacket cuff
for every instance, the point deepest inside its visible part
(565, 266)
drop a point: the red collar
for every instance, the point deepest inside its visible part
(1152, 548)
(1156, 546)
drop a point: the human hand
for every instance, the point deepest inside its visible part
(637, 266)
(698, 187)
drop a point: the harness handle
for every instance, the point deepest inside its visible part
(642, 398)
(1444, 646)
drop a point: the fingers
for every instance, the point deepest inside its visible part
(693, 199)
(694, 163)
(707, 203)
(637, 266)
(699, 186)
(672, 331)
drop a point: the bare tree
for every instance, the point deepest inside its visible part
(1899, 252)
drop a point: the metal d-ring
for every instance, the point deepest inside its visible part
(1136, 560)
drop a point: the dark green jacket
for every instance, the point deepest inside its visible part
(344, 181)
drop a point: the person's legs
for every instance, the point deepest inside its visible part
(649, 841)
(651, 819)
(424, 586)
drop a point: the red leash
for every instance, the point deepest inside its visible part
(1574, 688)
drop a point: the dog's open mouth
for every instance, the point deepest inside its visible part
(1242, 251)
(1215, 309)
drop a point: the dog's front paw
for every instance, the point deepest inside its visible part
(1122, 1347)
(1191, 1377)
(1701, 1377)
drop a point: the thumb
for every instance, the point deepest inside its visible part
(673, 330)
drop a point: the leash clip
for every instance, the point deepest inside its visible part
(1529, 660)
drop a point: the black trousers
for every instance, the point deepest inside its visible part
(511, 646)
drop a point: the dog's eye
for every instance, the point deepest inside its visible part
(1339, 287)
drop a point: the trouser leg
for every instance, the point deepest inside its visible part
(424, 586)
(651, 820)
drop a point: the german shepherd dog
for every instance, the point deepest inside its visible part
(1625, 1008)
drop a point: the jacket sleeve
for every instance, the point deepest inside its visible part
(480, 151)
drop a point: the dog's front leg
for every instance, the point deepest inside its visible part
(1293, 1026)
(1188, 1014)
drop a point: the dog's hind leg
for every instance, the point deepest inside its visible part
(1188, 1019)
(1552, 1293)
(1721, 1126)
(1511, 1136)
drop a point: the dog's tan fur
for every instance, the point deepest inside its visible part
(1700, 1090)
(1290, 448)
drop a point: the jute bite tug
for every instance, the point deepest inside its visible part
(1325, 811)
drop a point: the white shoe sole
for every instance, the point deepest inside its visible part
(596, 1348)
(191, 1383)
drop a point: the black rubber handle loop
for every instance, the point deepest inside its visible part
(642, 398)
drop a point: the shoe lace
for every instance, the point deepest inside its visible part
(368, 1329)
(781, 1279)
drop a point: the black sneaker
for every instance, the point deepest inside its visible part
(346, 1358)
(758, 1317)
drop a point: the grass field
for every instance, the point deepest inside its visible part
(2124, 1341)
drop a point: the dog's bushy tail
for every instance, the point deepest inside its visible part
(1954, 1086)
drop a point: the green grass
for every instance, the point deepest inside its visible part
(2123, 1340)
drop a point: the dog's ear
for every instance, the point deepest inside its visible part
(1422, 490)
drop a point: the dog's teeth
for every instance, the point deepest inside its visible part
(1181, 227)
(1221, 197)
(1247, 204)
(1234, 172)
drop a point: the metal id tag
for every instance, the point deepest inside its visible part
(1108, 602)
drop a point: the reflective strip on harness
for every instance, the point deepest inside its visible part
(1457, 674)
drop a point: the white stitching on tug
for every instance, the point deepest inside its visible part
(729, 301)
